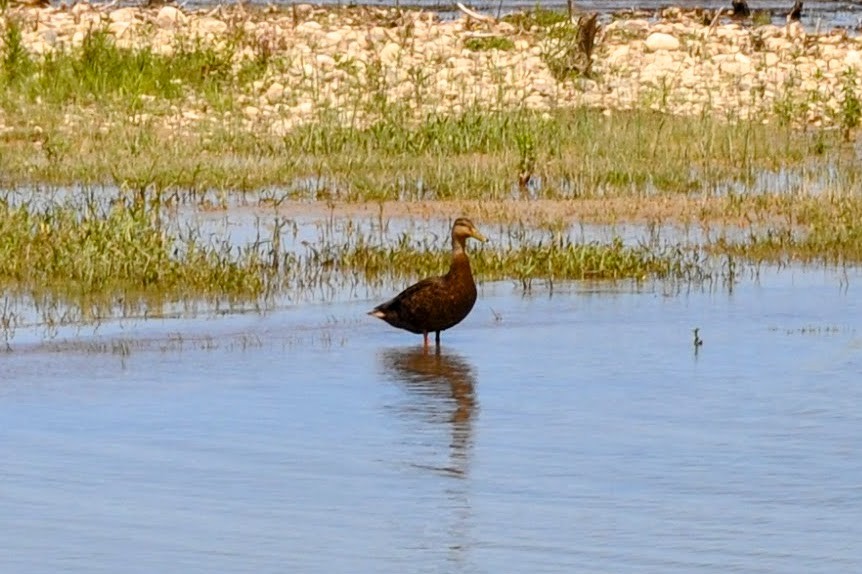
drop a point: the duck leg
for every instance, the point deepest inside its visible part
(425, 338)
(437, 339)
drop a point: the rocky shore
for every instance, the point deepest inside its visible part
(345, 59)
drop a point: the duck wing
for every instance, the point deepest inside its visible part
(408, 309)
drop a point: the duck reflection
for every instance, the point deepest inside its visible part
(441, 390)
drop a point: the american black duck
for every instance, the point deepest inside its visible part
(437, 303)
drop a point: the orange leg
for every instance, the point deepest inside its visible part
(425, 338)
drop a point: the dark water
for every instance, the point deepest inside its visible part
(573, 433)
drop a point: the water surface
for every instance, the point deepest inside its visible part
(577, 432)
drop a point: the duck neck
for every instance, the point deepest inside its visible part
(458, 246)
(460, 262)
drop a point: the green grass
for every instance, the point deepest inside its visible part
(827, 231)
(100, 114)
(100, 72)
(117, 248)
(483, 44)
(550, 259)
(537, 18)
(477, 154)
(126, 247)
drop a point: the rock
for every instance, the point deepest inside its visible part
(40, 47)
(123, 14)
(210, 25)
(251, 112)
(79, 8)
(634, 25)
(310, 27)
(50, 37)
(853, 59)
(536, 102)
(305, 108)
(661, 41)
(325, 61)
(169, 18)
(281, 128)
(619, 55)
(275, 93)
(390, 52)
(333, 38)
(303, 10)
(119, 29)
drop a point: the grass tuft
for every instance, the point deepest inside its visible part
(16, 63)
(520, 258)
(828, 231)
(100, 71)
(487, 43)
(117, 249)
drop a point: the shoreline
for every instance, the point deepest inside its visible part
(323, 58)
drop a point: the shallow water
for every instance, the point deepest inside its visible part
(576, 432)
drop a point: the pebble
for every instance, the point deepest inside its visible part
(325, 57)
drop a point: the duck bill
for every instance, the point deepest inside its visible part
(476, 235)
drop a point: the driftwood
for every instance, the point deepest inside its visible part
(795, 12)
(740, 9)
(473, 14)
(588, 28)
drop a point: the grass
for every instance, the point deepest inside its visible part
(100, 114)
(523, 258)
(485, 43)
(126, 247)
(567, 45)
(117, 249)
(476, 154)
(827, 231)
(83, 260)
(100, 72)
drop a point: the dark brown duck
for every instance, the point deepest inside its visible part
(437, 303)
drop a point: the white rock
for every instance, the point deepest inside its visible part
(333, 38)
(169, 17)
(310, 27)
(635, 25)
(281, 127)
(390, 52)
(251, 112)
(660, 41)
(619, 55)
(274, 93)
(123, 14)
(305, 108)
(40, 47)
(119, 29)
(325, 61)
(210, 25)
(853, 59)
(50, 36)
(80, 7)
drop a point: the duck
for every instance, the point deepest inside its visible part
(437, 303)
